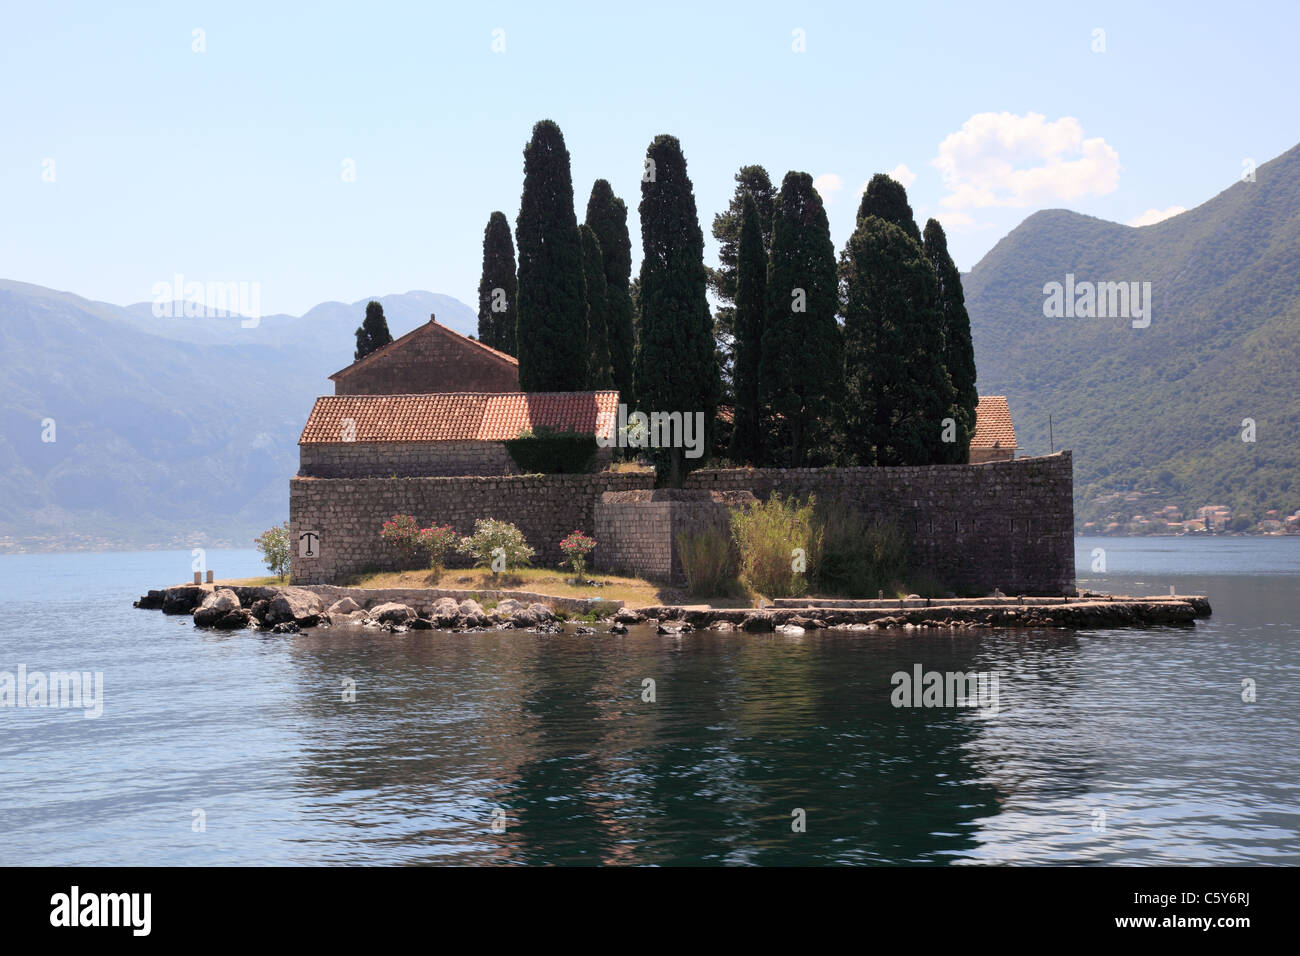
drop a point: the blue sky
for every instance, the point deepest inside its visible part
(227, 164)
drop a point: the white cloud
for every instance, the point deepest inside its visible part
(1153, 216)
(1001, 159)
(827, 184)
(902, 174)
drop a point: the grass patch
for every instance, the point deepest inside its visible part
(632, 591)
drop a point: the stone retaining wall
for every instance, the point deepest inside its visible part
(636, 531)
(1004, 524)
(347, 513)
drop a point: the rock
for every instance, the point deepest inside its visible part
(445, 613)
(618, 628)
(541, 612)
(472, 614)
(791, 629)
(235, 620)
(667, 629)
(182, 600)
(286, 627)
(549, 627)
(625, 615)
(509, 607)
(523, 618)
(391, 613)
(295, 604)
(723, 626)
(151, 601)
(216, 606)
(420, 624)
(344, 606)
(583, 629)
(816, 624)
(758, 622)
(260, 609)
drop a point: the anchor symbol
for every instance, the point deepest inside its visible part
(309, 535)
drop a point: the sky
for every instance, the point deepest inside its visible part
(339, 151)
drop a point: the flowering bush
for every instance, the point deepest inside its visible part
(498, 545)
(576, 547)
(439, 540)
(402, 532)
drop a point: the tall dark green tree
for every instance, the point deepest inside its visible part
(600, 375)
(754, 182)
(498, 287)
(607, 217)
(887, 198)
(800, 370)
(373, 332)
(552, 325)
(676, 367)
(751, 304)
(958, 350)
(897, 391)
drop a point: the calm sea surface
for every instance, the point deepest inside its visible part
(1126, 746)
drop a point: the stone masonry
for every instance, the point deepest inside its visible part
(347, 513)
(1004, 524)
(636, 531)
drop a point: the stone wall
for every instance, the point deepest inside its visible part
(404, 459)
(347, 513)
(1005, 524)
(432, 359)
(636, 531)
(412, 459)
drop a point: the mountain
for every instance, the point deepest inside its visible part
(1155, 414)
(167, 432)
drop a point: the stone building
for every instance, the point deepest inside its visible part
(995, 437)
(430, 358)
(440, 434)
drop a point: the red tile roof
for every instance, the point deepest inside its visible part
(432, 326)
(453, 416)
(993, 428)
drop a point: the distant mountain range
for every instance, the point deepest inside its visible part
(1155, 415)
(167, 432)
(174, 432)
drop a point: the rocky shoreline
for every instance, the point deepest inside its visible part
(290, 609)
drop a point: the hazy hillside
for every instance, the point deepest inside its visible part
(1158, 410)
(167, 431)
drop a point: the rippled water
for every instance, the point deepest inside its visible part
(550, 734)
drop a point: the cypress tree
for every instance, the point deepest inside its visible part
(498, 287)
(958, 350)
(552, 307)
(887, 198)
(800, 371)
(751, 303)
(676, 368)
(373, 332)
(607, 217)
(897, 391)
(593, 263)
(754, 182)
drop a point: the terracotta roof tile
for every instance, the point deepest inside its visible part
(453, 416)
(993, 428)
